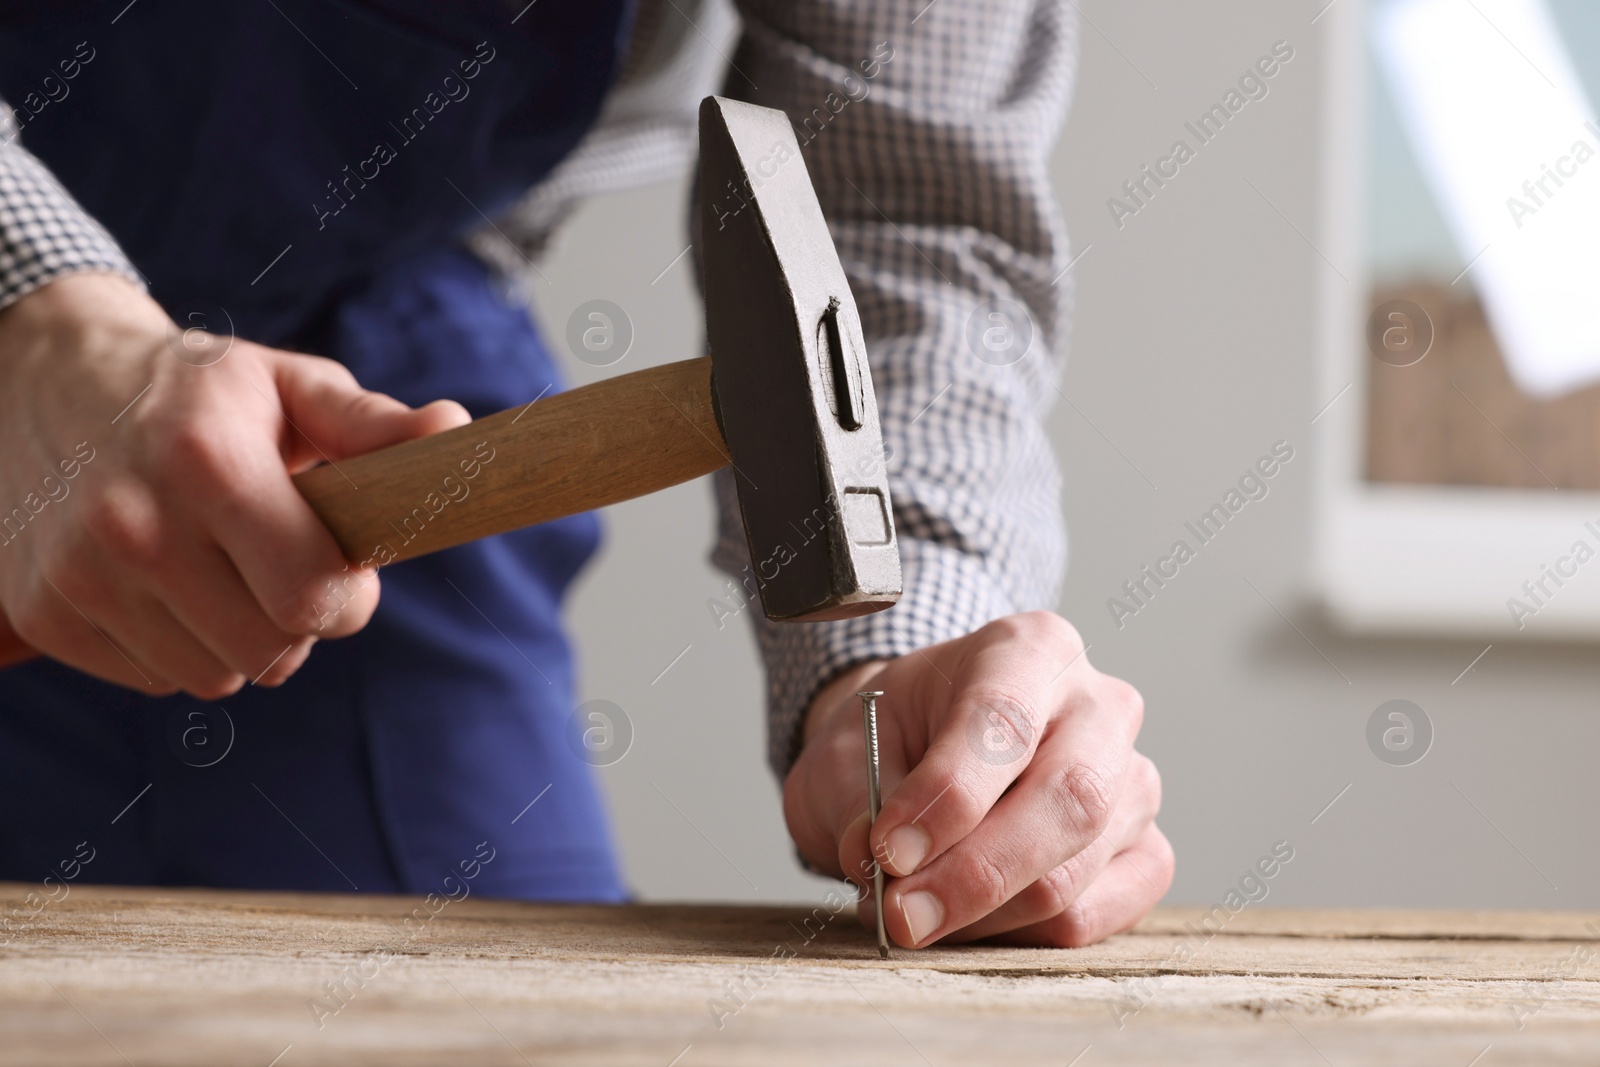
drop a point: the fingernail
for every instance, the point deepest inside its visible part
(906, 847)
(923, 914)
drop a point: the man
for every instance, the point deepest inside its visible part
(310, 176)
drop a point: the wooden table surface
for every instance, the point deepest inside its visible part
(145, 977)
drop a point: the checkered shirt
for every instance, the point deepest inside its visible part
(926, 128)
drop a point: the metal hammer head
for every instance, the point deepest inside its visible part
(789, 373)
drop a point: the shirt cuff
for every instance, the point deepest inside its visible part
(44, 233)
(948, 594)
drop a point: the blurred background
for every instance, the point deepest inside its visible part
(1219, 319)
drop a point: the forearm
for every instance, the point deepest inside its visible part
(927, 142)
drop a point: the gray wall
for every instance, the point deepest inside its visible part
(1191, 356)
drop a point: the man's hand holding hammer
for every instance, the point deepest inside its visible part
(167, 548)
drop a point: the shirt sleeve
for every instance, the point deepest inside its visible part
(926, 129)
(44, 233)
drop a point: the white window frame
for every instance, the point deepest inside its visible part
(1422, 560)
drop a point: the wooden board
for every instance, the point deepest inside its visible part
(152, 976)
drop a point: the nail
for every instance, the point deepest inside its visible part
(923, 914)
(905, 849)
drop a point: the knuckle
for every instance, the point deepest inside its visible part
(990, 884)
(1046, 628)
(281, 663)
(327, 605)
(1058, 630)
(946, 804)
(365, 405)
(301, 609)
(1003, 707)
(123, 522)
(1057, 889)
(1075, 927)
(1086, 797)
(1122, 694)
(31, 617)
(343, 615)
(214, 685)
(330, 370)
(328, 380)
(963, 799)
(1147, 779)
(841, 747)
(1166, 859)
(194, 449)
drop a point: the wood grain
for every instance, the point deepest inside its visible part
(578, 450)
(205, 977)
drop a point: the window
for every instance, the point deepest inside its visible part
(1459, 486)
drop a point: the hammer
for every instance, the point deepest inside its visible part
(785, 399)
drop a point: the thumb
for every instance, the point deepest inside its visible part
(330, 416)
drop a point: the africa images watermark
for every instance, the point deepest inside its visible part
(338, 993)
(1252, 85)
(743, 590)
(17, 920)
(737, 994)
(52, 89)
(1553, 979)
(1542, 588)
(453, 488)
(55, 490)
(1142, 588)
(1566, 167)
(855, 89)
(452, 90)
(1252, 887)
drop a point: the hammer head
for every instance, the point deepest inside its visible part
(789, 374)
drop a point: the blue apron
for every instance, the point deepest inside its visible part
(304, 169)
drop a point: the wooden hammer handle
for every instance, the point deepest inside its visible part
(596, 445)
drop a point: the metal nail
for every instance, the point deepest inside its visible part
(869, 718)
